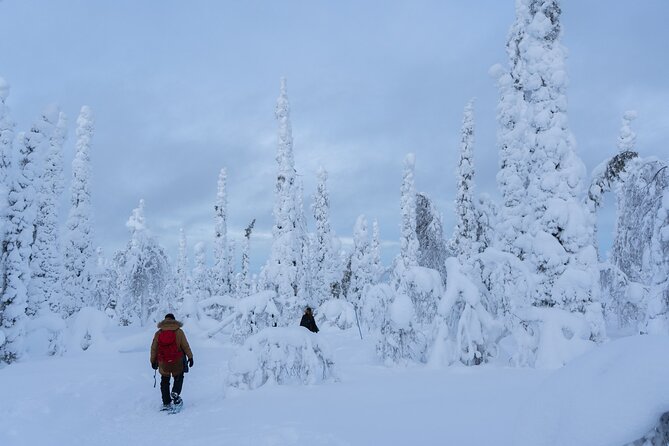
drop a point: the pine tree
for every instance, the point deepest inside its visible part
(77, 281)
(283, 273)
(465, 243)
(541, 175)
(143, 273)
(375, 248)
(408, 239)
(245, 279)
(430, 234)
(222, 280)
(16, 239)
(362, 270)
(325, 276)
(46, 265)
(201, 278)
(182, 276)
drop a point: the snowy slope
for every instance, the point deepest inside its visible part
(609, 396)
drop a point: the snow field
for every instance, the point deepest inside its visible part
(611, 395)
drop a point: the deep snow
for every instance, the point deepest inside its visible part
(611, 395)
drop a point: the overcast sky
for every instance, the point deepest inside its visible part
(180, 89)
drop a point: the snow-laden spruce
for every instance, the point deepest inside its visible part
(16, 240)
(143, 274)
(222, 282)
(79, 254)
(430, 233)
(45, 286)
(283, 355)
(326, 269)
(285, 270)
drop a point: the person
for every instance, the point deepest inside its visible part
(169, 351)
(308, 320)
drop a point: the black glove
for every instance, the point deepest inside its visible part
(154, 365)
(190, 362)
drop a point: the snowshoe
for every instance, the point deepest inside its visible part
(166, 407)
(177, 403)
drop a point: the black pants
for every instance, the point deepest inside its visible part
(165, 387)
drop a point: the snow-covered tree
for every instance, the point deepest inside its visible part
(17, 234)
(641, 241)
(408, 238)
(222, 281)
(79, 255)
(182, 270)
(541, 176)
(362, 270)
(143, 272)
(283, 273)
(244, 288)
(326, 270)
(430, 234)
(375, 248)
(45, 290)
(201, 276)
(465, 242)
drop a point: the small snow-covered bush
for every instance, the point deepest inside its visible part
(252, 314)
(400, 342)
(466, 332)
(374, 304)
(336, 312)
(280, 355)
(44, 334)
(85, 330)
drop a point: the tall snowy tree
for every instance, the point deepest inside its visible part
(408, 238)
(376, 252)
(46, 263)
(201, 276)
(326, 272)
(222, 281)
(143, 273)
(554, 231)
(283, 273)
(465, 243)
(182, 275)
(244, 288)
(430, 234)
(16, 234)
(362, 269)
(79, 254)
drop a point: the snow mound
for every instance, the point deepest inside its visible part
(614, 394)
(286, 355)
(85, 331)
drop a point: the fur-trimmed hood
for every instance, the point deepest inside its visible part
(169, 324)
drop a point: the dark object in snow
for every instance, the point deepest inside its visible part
(308, 321)
(659, 436)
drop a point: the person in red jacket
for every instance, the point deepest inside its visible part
(169, 351)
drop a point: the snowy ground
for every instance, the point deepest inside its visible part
(609, 396)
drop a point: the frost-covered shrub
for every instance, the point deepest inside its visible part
(624, 301)
(423, 286)
(252, 314)
(45, 333)
(85, 330)
(465, 331)
(374, 305)
(336, 312)
(400, 341)
(549, 337)
(281, 355)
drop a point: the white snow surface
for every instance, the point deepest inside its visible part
(611, 395)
